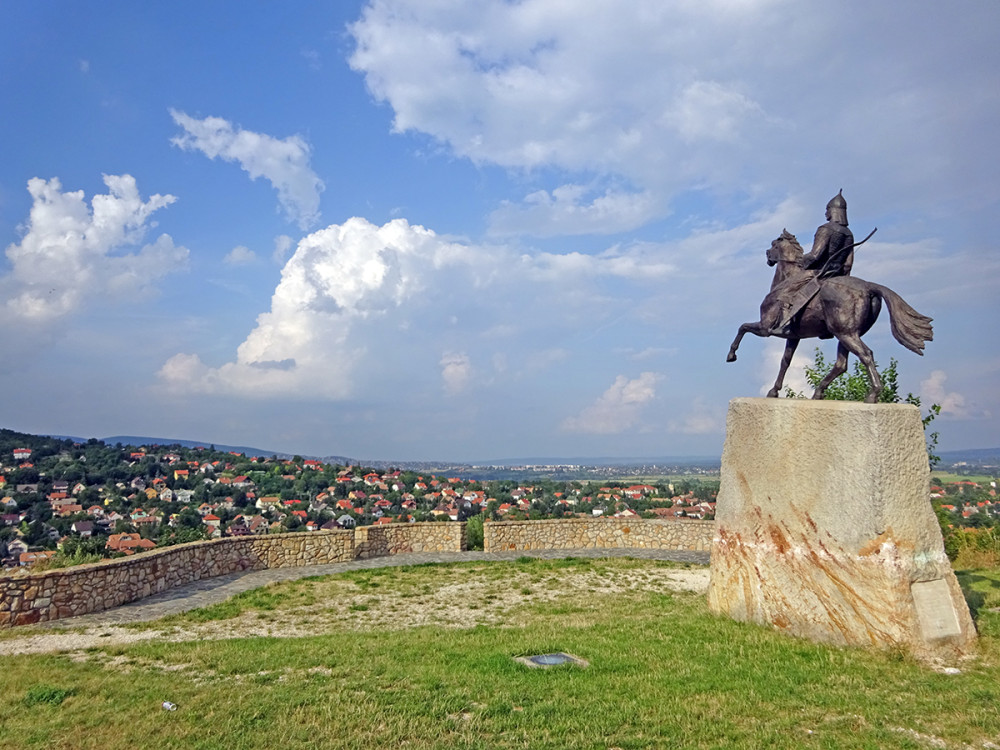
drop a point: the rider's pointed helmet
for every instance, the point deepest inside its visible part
(837, 208)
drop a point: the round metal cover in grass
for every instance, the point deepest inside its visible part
(550, 660)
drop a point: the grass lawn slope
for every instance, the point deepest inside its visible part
(421, 657)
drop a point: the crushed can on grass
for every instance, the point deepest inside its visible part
(168, 706)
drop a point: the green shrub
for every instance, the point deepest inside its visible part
(973, 548)
(474, 532)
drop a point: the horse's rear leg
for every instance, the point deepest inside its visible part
(755, 328)
(838, 369)
(859, 349)
(786, 359)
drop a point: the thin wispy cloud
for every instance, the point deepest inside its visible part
(282, 162)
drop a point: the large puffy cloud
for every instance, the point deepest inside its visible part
(283, 162)
(548, 83)
(651, 99)
(71, 253)
(337, 278)
(618, 409)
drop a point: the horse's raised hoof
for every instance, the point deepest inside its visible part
(731, 357)
(773, 393)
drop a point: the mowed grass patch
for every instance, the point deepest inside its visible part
(663, 673)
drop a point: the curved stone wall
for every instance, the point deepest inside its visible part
(590, 533)
(66, 592)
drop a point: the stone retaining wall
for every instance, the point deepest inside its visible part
(400, 538)
(587, 533)
(66, 592)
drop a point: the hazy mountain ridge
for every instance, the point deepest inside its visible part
(138, 441)
(974, 456)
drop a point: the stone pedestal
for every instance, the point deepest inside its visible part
(824, 528)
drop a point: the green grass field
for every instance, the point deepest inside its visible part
(950, 478)
(663, 672)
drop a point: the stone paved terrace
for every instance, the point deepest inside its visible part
(214, 590)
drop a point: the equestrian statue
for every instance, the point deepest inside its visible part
(813, 295)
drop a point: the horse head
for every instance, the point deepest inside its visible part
(785, 248)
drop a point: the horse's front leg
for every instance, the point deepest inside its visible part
(786, 359)
(755, 328)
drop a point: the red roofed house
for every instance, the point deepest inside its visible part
(30, 558)
(128, 543)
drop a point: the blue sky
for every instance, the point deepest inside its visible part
(454, 230)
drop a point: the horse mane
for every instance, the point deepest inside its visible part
(789, 237)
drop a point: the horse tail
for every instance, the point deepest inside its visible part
(910, 328)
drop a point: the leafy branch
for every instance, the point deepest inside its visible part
(853, 386)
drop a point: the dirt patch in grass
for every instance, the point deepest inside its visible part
(391, 599)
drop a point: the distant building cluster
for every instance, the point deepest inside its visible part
(92, 500)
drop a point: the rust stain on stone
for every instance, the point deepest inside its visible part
(744, 485)
(812, 523)
(779, 539)
(875, 545)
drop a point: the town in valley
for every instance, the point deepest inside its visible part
(64, 501)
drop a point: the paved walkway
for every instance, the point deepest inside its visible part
(218, 589)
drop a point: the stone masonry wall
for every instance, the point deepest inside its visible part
(400, 538)
(54, 594)
(66, 592)
(586, 533)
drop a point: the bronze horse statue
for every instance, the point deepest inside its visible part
(845, 308)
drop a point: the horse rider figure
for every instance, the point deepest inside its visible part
(832, 255)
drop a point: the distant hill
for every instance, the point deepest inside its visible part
(971, 456)
(148, 441)
(604, 461)
(975, 456)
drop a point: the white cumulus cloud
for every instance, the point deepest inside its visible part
(618, 409)
(240, 256)
(456, 371)
(337, 278)
(72, 253)
(543, 84)
(647, 100)
(283, 162)
(933, 391)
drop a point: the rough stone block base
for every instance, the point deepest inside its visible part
(824, 528)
